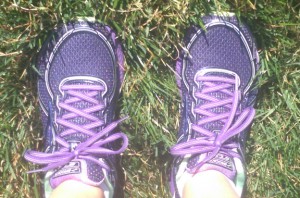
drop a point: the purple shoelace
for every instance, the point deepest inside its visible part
(234, 121)
(94, 145)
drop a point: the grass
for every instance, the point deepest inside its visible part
(151, 33)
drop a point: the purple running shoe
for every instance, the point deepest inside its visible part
(81, 69)
(216, 73)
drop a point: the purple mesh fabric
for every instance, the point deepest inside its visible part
(233, 55)
(78, 49)
(81, 69)
(217, 76)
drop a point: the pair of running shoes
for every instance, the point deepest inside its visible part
(81, 68)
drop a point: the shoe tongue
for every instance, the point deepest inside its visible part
(80, 170)
(221, 162)
(215, 126)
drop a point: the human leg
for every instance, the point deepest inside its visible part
(209, 184)
(76, 189)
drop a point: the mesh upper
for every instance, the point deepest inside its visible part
(82, 54)
(220, 48)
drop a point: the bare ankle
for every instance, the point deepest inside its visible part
(209, 184)
(76, 189)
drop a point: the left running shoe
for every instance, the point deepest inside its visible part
(217, 82)
(81, 69)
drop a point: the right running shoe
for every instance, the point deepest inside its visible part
(216, 77)
(81, 69)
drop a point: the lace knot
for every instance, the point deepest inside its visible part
(76, 153)
(217, 143)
